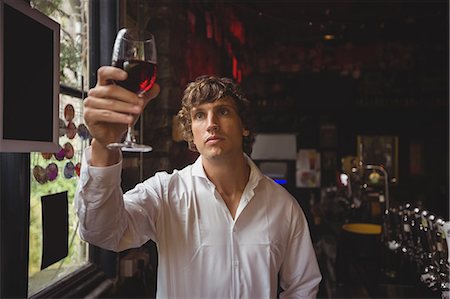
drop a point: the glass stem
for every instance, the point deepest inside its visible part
(130, 136)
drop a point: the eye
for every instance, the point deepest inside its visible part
(224, 111)
(199, 115)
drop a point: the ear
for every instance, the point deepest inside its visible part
(245, 132)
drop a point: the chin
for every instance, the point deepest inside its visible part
(212, 153)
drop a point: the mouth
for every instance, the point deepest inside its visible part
(213, 139)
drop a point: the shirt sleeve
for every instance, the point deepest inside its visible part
(299, 274)
(108, 218)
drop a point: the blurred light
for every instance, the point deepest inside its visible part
(329, 37)
(280, 181)
(235, 67)
(344, 179)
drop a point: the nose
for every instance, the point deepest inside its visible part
(213, 125)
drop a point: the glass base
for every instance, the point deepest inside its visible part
(130, 147)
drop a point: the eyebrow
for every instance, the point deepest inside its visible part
(226, 105)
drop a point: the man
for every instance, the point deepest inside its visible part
(222, 229)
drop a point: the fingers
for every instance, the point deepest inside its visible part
(114, 92)
(106, 88)
(110, 103)
(93, 116)
(109, 108)
(114, 105)
(106, 74)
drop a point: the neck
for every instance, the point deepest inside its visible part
(226, 173)
(230, 179)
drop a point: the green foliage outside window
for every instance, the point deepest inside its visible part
(59, 185)
(72, 15)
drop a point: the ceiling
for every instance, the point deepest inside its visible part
(294, 22)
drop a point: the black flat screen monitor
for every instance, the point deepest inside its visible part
(29, 79)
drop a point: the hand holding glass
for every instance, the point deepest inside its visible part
(135, 52)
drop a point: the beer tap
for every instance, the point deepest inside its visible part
(436, 273)
(418, 238)
(430, 274)
(442, 249)
(446, 230)
(392, 232)
(424, 240)
(386, 181)
(444, 261)
(407, 243)
(427, 238)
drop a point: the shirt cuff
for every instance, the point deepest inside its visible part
(106, 176)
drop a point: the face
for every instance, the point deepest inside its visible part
(217, 129)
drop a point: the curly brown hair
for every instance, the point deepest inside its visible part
(208, 89)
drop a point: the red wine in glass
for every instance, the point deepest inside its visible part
(141, 75)
(134, 51)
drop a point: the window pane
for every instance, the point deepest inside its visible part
(73, 18)
(46, 180)
(52, 173)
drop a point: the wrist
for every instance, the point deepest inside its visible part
(102, 156)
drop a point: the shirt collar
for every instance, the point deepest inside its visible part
(197, 168)
(255, 173)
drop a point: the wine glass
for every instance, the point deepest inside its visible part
(135, 52)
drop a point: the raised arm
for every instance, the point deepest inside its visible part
(106, 220)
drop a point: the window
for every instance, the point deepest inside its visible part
(58, 172)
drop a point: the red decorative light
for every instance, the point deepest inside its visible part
(237, 30)
(235, 67)
(209, 25)
(191, 20)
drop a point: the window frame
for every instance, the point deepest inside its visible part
(97, 276)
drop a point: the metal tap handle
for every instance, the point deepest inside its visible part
(446, 229)
(386, 181)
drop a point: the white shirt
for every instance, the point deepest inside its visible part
(203, 252)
